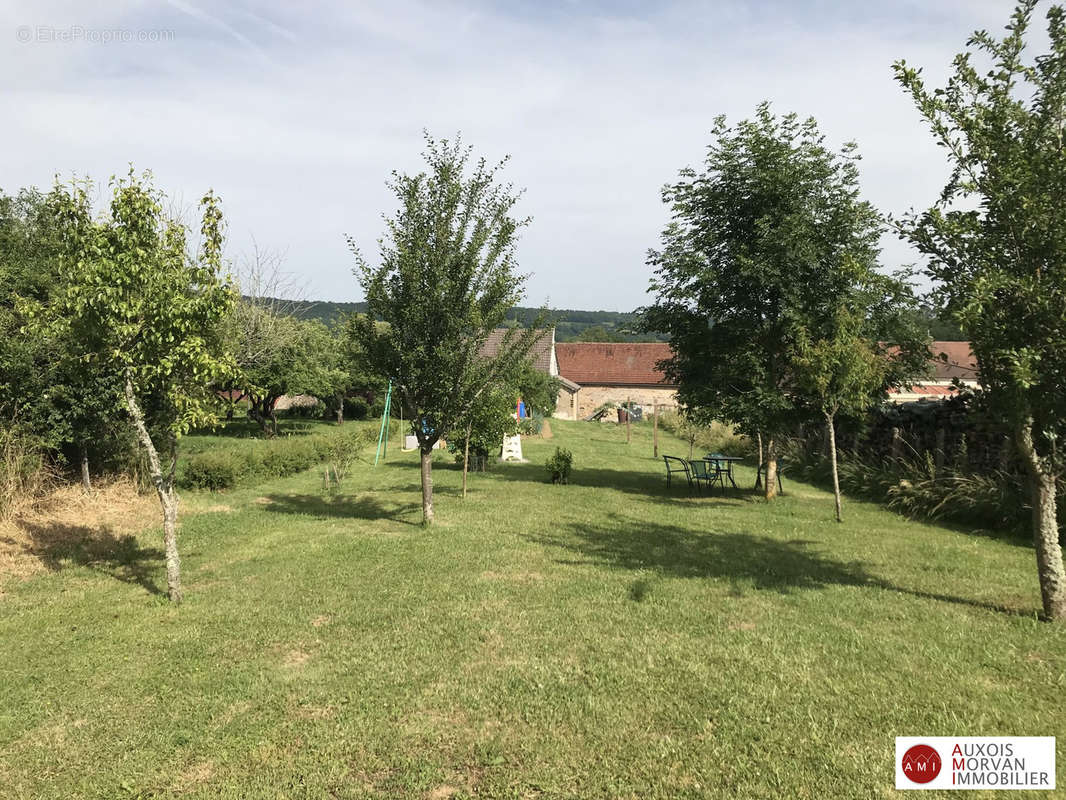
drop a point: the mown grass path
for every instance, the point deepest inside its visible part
(603, 639)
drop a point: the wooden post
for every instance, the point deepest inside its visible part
(758, 468)
(655, 431)
(629, 405)
(85, 481)
(466, 455)
(897, 444)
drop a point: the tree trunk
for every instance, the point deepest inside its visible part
(164, 487)
(340, 409)
(86, 483)
(257, 412)
(427, 485)
(466, 456)
(1045, 525)
(833, 460)
(770, 487)
(169, 501)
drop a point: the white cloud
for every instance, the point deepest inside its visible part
(296, 113)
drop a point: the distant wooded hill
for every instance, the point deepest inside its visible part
(570, 325)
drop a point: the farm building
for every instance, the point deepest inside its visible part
(542, 354)
(611, 372)
(543, 359)
(950, 362)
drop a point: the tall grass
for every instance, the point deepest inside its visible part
(25, 472)
(913, 487)
(718, 437)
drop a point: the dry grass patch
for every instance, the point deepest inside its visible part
(296, 658)
(194, 775)
(741, 626)
(68, 520)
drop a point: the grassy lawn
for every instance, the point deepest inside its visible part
(603, 639)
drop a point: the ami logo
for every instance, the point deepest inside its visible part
(921, 763)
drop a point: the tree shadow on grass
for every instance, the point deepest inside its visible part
(650, 486)
(56, 545)
(342, 507)
(740, 557)
(765, 562)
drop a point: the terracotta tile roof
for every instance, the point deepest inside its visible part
(612, 363)
(926, 390)
(960, 362)
(541, 351)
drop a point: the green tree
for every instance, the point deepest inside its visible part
(841, 371)
(483, 428)
(492, 417)
(278, 355)
(28, 249)
(996, 244)
(63, 402)
(596, 333)
(538, 390)
(447, 278)
(755, 248)
(139, 302)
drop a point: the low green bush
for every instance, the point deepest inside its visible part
(356, 408)
(559, 465)
(214, 470)
(246, 461)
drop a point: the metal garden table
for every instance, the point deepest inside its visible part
(725, 465)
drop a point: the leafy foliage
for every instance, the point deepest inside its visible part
(446, 280)
(559, 465)
(996, 239)
(245, 462)
(756, 250)
(715, 437)
(137, 303)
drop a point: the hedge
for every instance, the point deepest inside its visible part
(256, 460)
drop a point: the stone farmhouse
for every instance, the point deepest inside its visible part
(611, 372)
(593, 373)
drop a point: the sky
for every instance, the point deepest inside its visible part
(296, 113)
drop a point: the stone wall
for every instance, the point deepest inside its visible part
(566, 404)
(589, 398)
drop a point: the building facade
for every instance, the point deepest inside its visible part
(612, 372)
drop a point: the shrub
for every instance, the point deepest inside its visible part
(530, 426)
(214, 470)
(357, 408)
(559, 465)
(249, 460)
